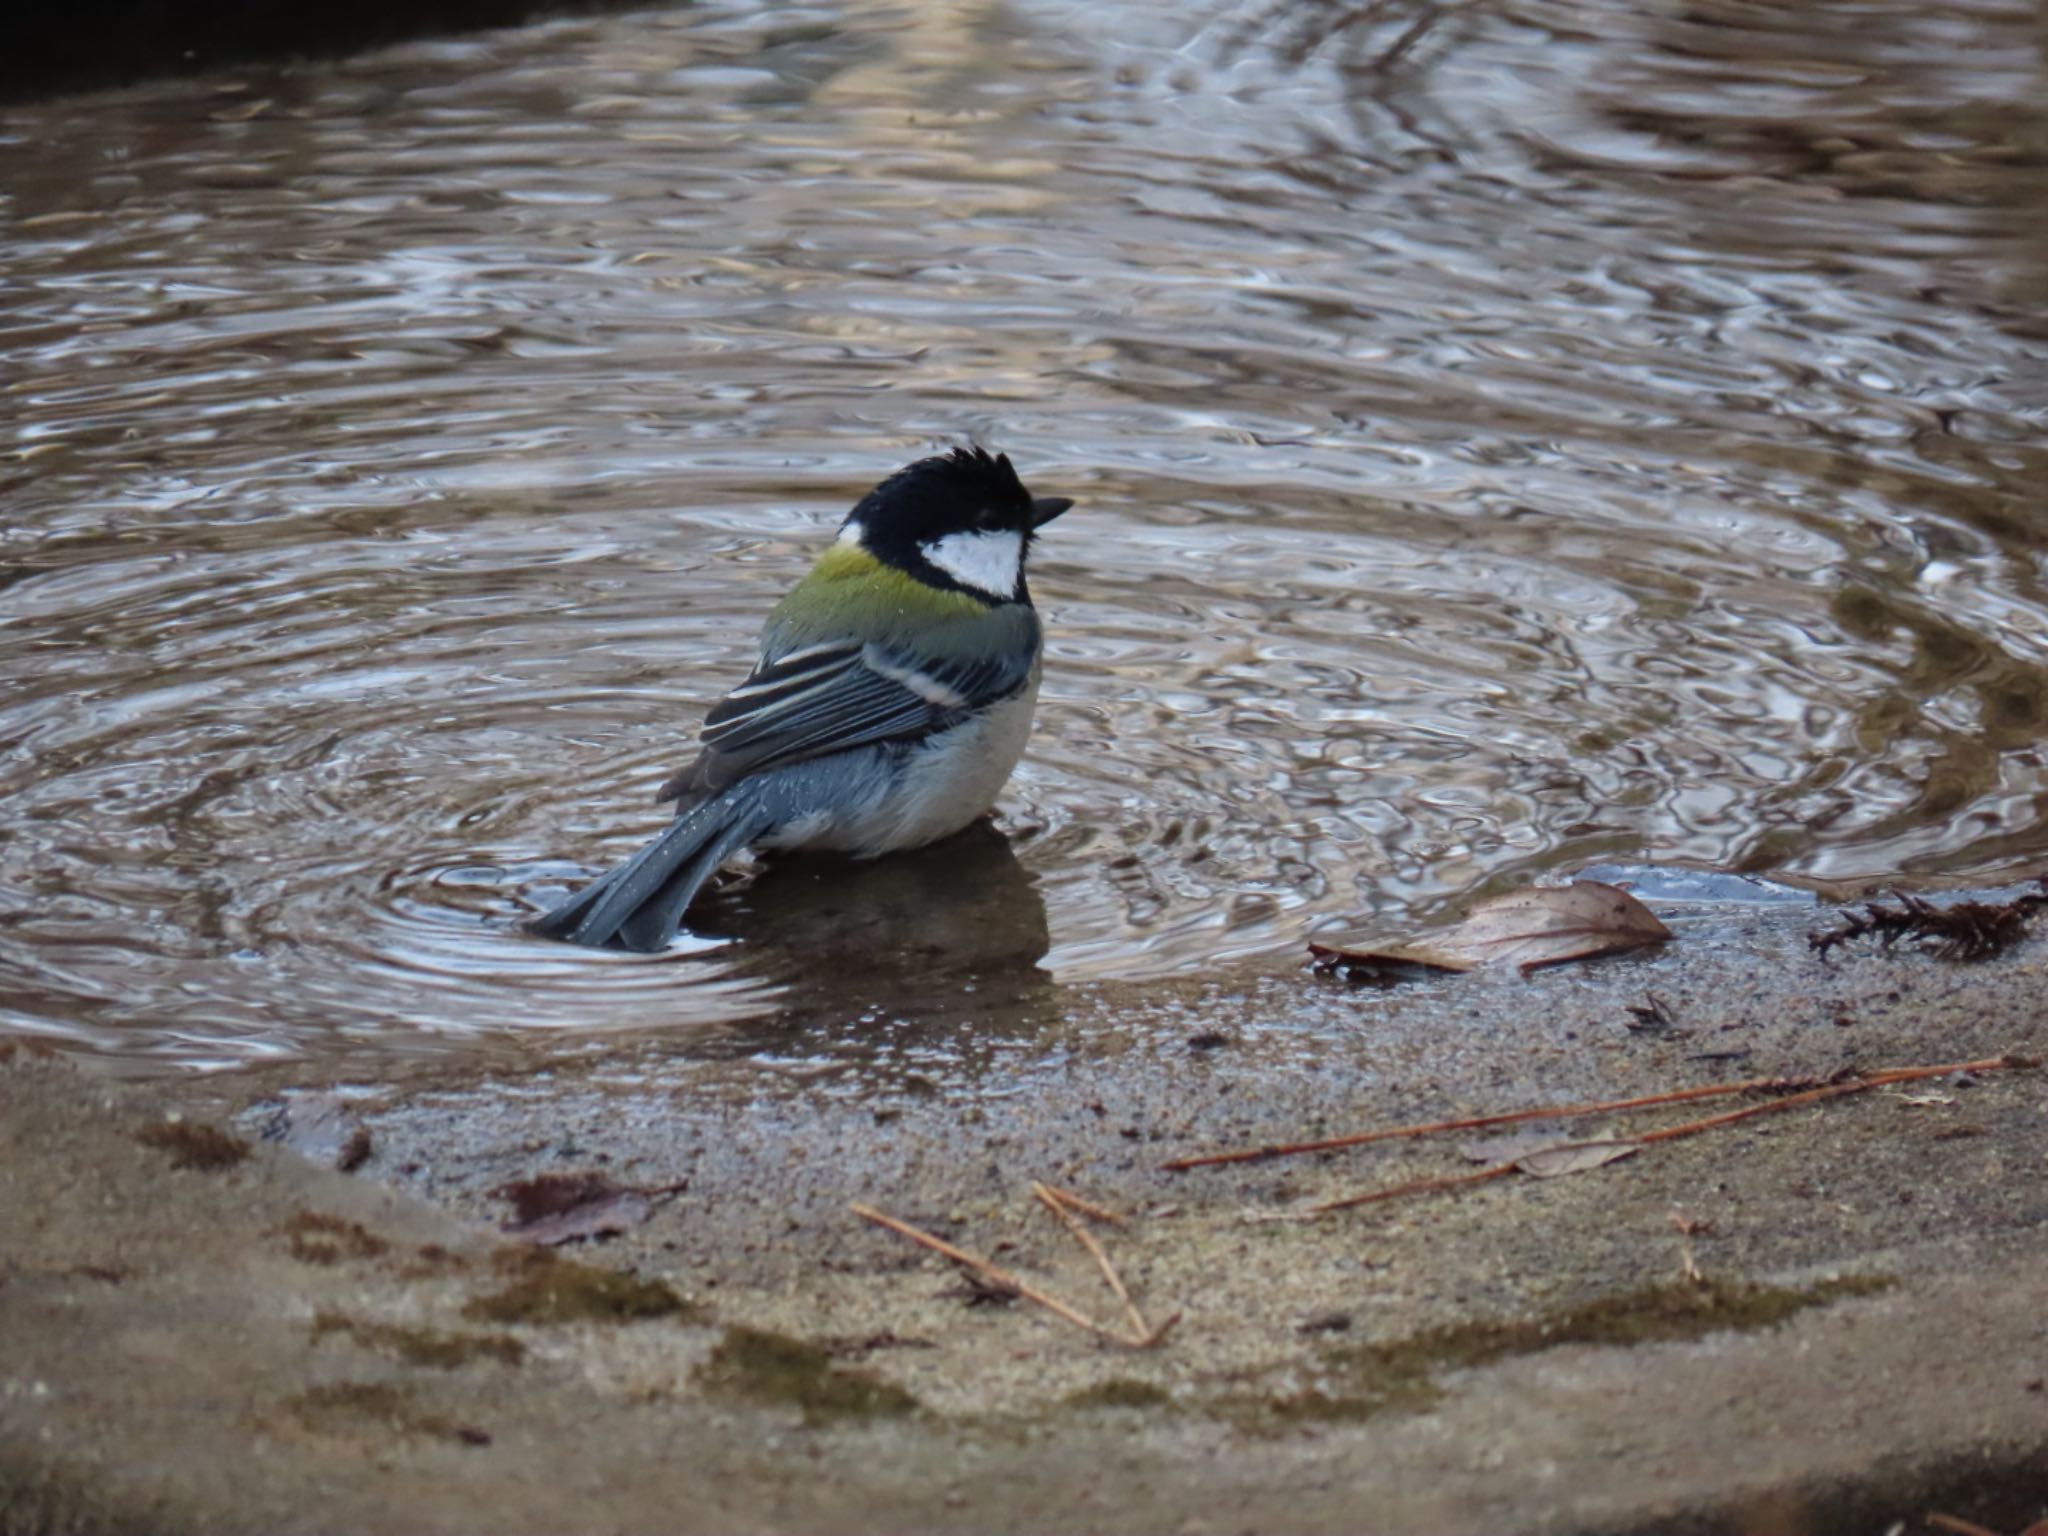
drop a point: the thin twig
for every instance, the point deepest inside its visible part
(1784, 1085)
(1414, 1187)
(996, 1274)
(1688, 1266)
(1081, 1203)
(1055, 1201)
(1859, 1084)
(1771, 1106)
(1509, 1117)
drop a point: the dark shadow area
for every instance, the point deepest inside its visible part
(921, 962)
(47, 50)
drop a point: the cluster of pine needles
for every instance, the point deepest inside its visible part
(1963, 930)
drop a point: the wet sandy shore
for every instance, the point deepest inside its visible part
(1826, 1319)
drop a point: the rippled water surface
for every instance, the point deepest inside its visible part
(1508, 435)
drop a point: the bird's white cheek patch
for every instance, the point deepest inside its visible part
(987, 562)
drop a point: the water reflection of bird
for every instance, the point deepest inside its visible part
(892, 698)
(935, 950)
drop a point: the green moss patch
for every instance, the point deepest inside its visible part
(203, 1148)
(769, 1367)
(1315, 1406)
(550, 1289)
(1356, 1381)
(422, 1346)
(317, 1238)
(1679, 1309)
(1121, 1392)
(348, 1407)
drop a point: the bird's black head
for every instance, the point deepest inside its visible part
(959, 520)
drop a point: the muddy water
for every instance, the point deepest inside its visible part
(1508, 436)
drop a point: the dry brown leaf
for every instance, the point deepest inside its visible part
(1575, 1157)
(1545, 925)
(1513, 1146)
(555, 1208)
(1547, 1154)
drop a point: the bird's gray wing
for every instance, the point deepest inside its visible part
(833, 695)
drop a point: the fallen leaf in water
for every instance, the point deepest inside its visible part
(555, 1208)
(1546, 925)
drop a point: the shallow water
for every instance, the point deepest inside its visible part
(1508, 436)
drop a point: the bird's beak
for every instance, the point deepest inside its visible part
(1045, 508)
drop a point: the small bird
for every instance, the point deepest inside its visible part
(891, 700)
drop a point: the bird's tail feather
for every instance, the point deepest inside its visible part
(655, 921)
(640, 904)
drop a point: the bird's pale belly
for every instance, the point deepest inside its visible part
(938, 788)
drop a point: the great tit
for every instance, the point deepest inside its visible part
(891, 700)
